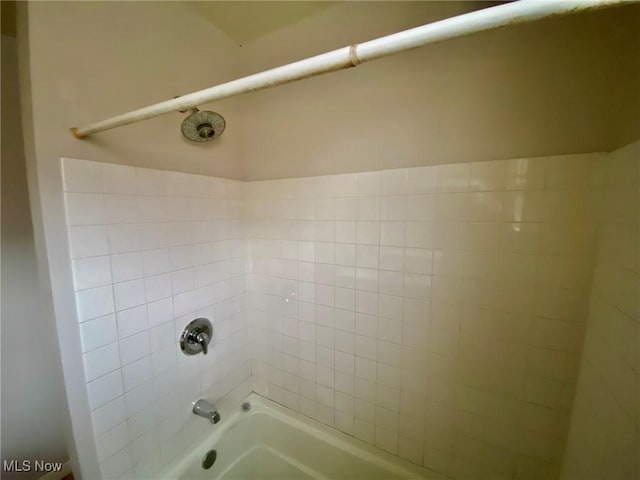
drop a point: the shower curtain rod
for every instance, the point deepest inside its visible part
(480, 20)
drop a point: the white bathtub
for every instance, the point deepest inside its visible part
(273, 442)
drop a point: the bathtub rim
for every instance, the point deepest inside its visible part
(262, 405)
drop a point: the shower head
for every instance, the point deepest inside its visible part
(202, 126)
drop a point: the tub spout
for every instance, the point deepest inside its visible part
(202, 408)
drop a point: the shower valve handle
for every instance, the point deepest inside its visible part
(203, 340)
(196, 336)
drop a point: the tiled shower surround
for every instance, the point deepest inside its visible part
(604, 439)
(152, 250)
(435, 312)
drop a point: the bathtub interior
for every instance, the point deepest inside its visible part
(265, 463)
(272, 442)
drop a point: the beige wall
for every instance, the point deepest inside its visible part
(604, 441)
(572, 81)
(90, 60)
(564, 85)
(82, 60)
(31, 372)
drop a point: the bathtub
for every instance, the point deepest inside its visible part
(272, 442)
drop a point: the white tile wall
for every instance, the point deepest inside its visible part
(435, 312)
(604, 441)
(151, 250)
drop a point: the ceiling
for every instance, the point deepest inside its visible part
(247, 21)
(241, 21)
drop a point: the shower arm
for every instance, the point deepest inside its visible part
(480, 20)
